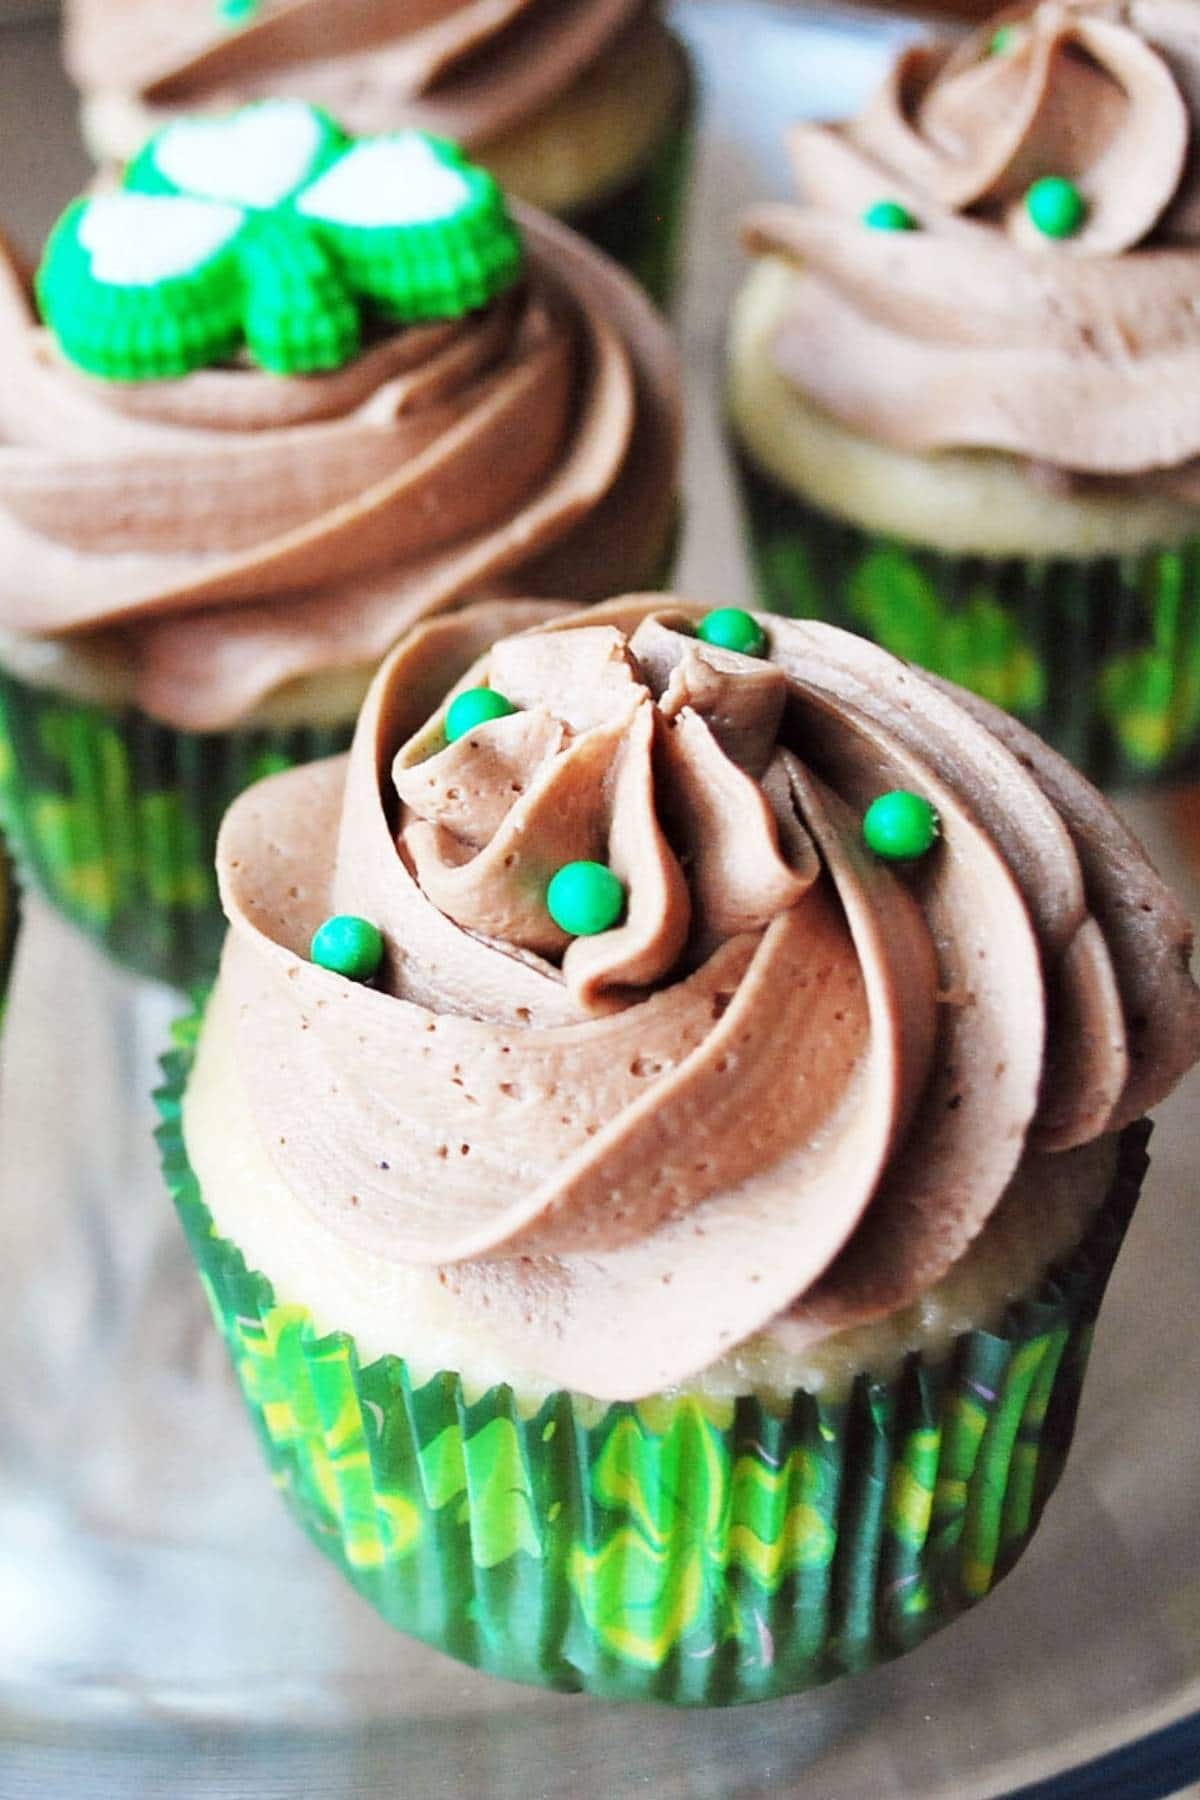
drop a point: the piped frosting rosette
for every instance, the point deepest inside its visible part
(1029, 285)
(469, 70)
(789, 1086)
(223, 533)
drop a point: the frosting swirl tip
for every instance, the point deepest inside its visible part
(788, 1081)
(999, 252)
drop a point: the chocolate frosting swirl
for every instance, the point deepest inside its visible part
(234, 530)
(791, 1087)
(974, 331)
(467, 69)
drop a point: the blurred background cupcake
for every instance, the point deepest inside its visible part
(268, 425)
(670, 1104)
(9, 904)
(581, 107)
(962, 376)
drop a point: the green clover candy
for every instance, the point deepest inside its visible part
(271, 228)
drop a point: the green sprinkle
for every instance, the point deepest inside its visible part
(1056, 206)
(237, 12)
(1004, 41)
(349, 946)
(729, 628)
(900, 826)
(889, 215)
(585, 898)
(475, 707)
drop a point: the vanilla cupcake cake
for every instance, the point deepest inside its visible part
(963, 368)
(581, 107)
(669, 1107)
(290, 392)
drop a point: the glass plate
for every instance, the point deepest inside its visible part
(165, 1630)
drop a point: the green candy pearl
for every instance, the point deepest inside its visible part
(729, 628)
(1056, 206)
(585, 898)
(889, 215)
(477, 706)
(900, 826)
(349, 946)
(1004, 41)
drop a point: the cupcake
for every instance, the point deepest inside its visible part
(657, 1142)
(580, 107)
(962, 373)
(262, 431)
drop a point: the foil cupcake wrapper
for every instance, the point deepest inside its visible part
(681, 1549)
(114, 818)
(641, 224)
(1100, 657)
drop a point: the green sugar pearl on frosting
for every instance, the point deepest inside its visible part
(889, 215)
(477, 706)
(1056, 206)
(1004, 40)
(900, 826)
(349, 946)
(729, 628)
(585, 898)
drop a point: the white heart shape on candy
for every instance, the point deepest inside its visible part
(386, 181)
(134, 240)
(256, 158)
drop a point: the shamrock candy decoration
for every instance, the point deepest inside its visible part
(271, 228)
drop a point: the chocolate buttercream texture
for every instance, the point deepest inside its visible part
(974, 331)
(467, 69)
(791, 1087)
(233, 530)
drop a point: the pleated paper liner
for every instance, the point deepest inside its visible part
(1100, 657)
(693, 1551)
(114, 818)
(641, 224)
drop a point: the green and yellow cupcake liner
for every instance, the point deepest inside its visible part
(640, 225)
(114, 818)
(1100, 657)
(695, 1551)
